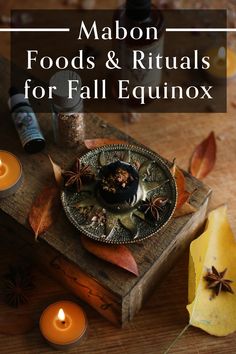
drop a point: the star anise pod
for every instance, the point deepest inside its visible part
(78, 176)
(16, 285)
(154, 206)
(216, 281)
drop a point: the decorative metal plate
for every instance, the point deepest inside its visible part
(121, 224)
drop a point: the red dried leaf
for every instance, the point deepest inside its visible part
(95, 143)
(15, 324)
(204, 157)
(57, 171)
(44, 210)
(119, 255)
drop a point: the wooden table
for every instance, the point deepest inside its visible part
(164, 316)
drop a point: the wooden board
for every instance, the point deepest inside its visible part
(121, 295)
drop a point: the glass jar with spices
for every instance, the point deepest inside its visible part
(67, 113)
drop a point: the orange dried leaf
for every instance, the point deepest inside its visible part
(44, 210)
(95, 143)
(15, 324)
(182, 199)
(179, 178)
(186, 209)
(183, 195)
(119, 255)
(204, 157)
(57, 171)
(183, 207)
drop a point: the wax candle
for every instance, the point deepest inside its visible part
(63, 324)
(10, 174)
(223, 63)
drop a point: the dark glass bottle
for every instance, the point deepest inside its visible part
(25, 122)
(142, 14)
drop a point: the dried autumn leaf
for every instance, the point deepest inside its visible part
(182, 199)
(15, 324)
(119, 255)
(179, 177)
(204, 157)
(57, 171)
(180, 183)
(44, 210)
(183, 207)
(96, 143)
(216, 247)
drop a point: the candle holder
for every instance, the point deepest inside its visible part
(11, 175)
(63, 325)
(110, 208)
(223, 65)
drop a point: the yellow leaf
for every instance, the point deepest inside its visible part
(215, 247)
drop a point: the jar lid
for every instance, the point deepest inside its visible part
(16, 99)
(61, 94)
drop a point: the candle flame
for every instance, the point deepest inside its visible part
(61, 315)
(222, 53)
(1, 167)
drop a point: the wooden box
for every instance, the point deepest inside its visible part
(114, 293)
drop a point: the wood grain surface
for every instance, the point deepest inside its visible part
(164, 316)
(121, 295)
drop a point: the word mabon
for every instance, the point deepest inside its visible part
(118, 32)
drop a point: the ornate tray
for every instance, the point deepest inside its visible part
(127, 222)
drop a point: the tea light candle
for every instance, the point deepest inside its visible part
(11, 175)
(63, 324)
(223, 63)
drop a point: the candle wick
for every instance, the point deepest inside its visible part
(63, 322)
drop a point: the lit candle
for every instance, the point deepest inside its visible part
(10, 174)
(63, 324)
(3, 169)
(231, 63)
(220, 59)
(223, 63)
